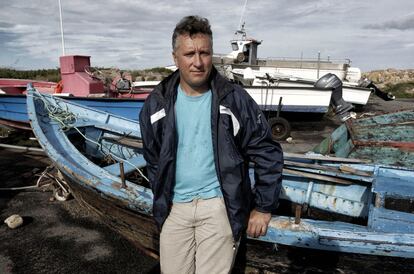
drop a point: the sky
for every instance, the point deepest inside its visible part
(136, 34)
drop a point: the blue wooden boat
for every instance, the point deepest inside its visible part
(359, 198)
(386, 139)
(13, 109)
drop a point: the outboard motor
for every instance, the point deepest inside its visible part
(341, 107)
(386, 96)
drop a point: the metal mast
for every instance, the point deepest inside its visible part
(61, 28)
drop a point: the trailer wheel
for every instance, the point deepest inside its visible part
(280, 128)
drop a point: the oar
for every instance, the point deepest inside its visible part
(342, 169)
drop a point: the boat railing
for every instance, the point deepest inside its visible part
(308, 59)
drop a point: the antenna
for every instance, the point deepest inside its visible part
(241, 23)
(61, 28)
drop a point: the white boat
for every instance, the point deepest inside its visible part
(294, 99)
(294, 72)
(244, 54)
(248, 77)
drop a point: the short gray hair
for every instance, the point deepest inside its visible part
(191, 25)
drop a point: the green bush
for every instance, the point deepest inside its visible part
(401, 90)
(52, 75)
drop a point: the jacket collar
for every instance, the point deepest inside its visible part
(167, 88)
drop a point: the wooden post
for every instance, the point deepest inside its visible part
(298, 212)
(121, 167)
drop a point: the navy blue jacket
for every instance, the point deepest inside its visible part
(240, 135)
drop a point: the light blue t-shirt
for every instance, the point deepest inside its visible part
(195, 175)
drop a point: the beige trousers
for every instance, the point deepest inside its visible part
(197, 238)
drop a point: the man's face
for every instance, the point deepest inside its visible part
(193, 57)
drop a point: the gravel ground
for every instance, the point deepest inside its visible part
(57, 237)
(62, 237)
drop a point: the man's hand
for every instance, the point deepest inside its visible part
(258, 223)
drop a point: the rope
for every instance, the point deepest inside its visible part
(45, 173)
(67, 120)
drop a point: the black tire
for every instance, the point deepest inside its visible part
(280, 128)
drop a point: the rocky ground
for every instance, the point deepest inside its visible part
(62, 237)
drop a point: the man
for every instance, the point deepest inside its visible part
(200, 132)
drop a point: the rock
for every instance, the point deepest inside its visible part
(14, 221)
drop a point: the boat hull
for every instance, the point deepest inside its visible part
(13, 108)
(138, 228)
(350, 93)
(384, 139)
(294, 99)
(360, 192)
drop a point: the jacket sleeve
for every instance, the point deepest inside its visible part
(265, 153)
(150, 145)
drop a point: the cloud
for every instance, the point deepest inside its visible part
(137, 34)
(406, 23)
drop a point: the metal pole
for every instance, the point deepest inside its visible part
(25, 148)
(61, 28)
(319, 61)
(279, 107)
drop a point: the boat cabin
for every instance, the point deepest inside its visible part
(245, 51)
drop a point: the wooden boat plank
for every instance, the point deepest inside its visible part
(392, 221)
(127, 141)
(384, 133)
(385, 119)
(385, 155)
(324, 178)
(395, 187)
(288, 155)
(338, 236)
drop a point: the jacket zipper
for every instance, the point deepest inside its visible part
(217, 161)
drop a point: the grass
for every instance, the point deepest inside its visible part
(401, 90)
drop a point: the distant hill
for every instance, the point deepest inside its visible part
(398, 81)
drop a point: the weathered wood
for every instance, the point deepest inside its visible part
(121, 170)
(348, 169)
(316, 176)
(342, 168)
(407, 145)
(324, 158)
(127, 141)
(386, 139)
(298, 212)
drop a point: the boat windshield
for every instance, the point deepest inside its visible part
(234, 46)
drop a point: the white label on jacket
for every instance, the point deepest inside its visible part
(157, 116)
(235, 122)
